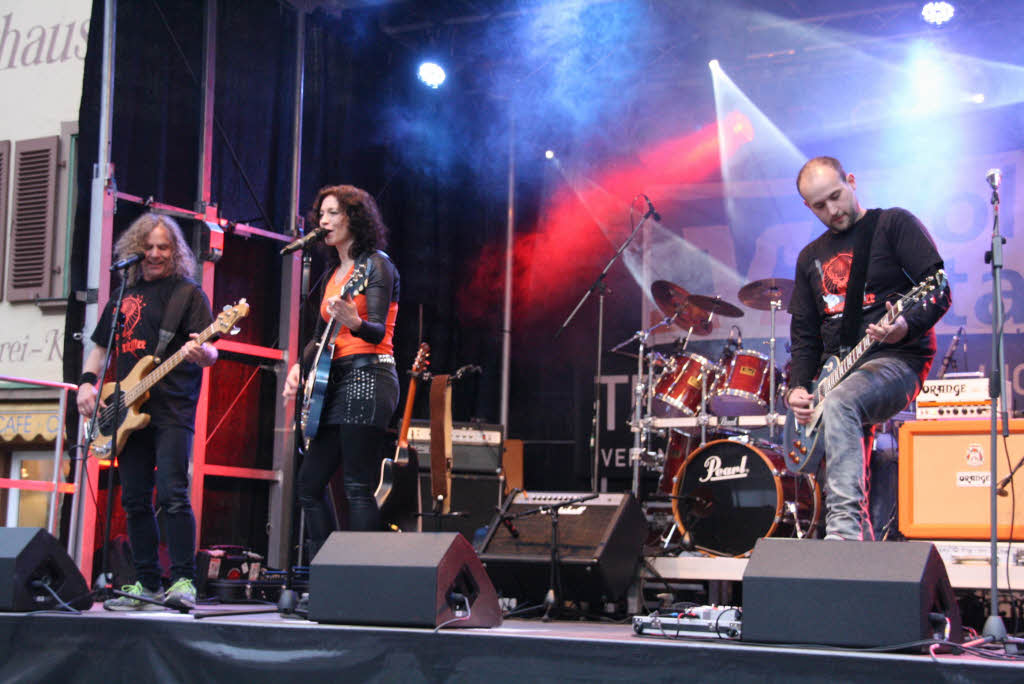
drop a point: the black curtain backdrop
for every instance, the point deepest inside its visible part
(367, 122)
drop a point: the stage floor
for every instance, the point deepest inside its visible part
(167, 647)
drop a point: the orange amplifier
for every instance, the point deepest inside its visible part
(945, 479)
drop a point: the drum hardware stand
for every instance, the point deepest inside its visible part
(600, 287)
(640, 426)
(776, 304)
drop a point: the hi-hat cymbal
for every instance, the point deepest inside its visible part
(715, 305)
(674, 302)
(761, 293)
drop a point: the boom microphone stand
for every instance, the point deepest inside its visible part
(994, 629)
(599, 286)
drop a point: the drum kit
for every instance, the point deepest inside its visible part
(731, 489)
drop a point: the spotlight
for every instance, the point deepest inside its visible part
(713, 64)
(431, 74)
(549, 154)
(937, 12)
(977, 98)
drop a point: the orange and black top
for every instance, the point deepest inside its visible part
(377, 304)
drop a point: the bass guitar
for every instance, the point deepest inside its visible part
(398, 491)
(315, 386)
(803, 441)
(136, 385)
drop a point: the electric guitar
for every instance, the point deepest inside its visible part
(136, 385)
(802, 441)
(398, 491)
(315, 386)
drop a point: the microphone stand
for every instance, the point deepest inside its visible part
(600, 287)
(113, 353)
(994, 629)
(553, 597)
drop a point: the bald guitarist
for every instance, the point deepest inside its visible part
(848, 301)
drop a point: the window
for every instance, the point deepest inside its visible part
(30, 261)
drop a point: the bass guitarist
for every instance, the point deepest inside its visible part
(362, 389)
(869, 257)
(156, 283)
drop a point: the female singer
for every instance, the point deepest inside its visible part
(362, 390)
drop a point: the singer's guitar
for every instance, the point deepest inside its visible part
(136, 385)
(801, 443)
(398, 491)
(315, 387)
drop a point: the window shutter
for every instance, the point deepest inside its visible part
(30, 263)
(5, 163)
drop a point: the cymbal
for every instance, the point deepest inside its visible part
(674, 302)
(715, 305)
(760, 293)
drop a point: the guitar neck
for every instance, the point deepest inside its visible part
(410, 398)
(848, 362)
(158, 373)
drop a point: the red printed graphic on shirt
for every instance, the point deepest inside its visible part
(835, 276)
(131, 308)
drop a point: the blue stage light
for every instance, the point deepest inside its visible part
(431, 74)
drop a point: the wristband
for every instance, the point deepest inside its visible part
(87, 378)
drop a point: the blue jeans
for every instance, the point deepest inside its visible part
(871, 394)
(168, 449)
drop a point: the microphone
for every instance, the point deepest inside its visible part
(650, 209)
(127, 261)
(305, 241)
(949, 352)
(994, 178)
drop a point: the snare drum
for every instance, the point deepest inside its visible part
(678, 389)
(728, 494)
(743, 388)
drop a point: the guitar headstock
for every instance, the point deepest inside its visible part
(360, 277)
(225, 323)
(422, 361)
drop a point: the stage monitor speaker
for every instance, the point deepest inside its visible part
(599, 542)
(401, 579)
(33, 568)
(847, 593)
(945, 471)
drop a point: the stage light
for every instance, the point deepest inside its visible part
(977, 98)
(937, 12)
(713, 64)
(431, 74)
(549, 154)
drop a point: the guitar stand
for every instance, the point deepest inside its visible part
(437, 516)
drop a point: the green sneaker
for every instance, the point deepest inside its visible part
(129, 603)
(182, 595)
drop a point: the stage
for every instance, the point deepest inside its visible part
(165, 646)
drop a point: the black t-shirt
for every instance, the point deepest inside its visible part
(902, 254)
(173, 399)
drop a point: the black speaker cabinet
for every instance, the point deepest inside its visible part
(474, 499)
(30, 557)
(401, 579)
(846, 593)
(599, 542)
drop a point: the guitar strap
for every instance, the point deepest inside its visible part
(173, 315)
(853, 309)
